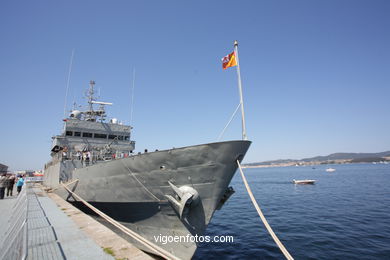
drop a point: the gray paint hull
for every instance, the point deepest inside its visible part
(133, 190)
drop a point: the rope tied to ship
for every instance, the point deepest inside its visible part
(265, 222)
(66, 184)
(153, 247)
(146, 189)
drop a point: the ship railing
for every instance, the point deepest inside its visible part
(95, 157)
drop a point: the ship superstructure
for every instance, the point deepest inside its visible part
(87, 131)
(170, 192)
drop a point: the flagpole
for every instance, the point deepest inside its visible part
(244, 137)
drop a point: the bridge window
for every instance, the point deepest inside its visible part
(69, 133)
(87, 134)
(127, 137)
(111, 136)
(102, 136)
(77, 134)
(120, 137)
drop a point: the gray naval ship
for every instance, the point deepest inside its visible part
(171, 192)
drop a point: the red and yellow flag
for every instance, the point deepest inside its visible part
(229, 61)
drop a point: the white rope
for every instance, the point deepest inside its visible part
(132, 174)
(153, 247)
(271, 232)
(66, 184)
(231, 118)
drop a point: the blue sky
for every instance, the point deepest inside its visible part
(315, 74)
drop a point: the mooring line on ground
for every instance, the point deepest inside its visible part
(265, 222)
(153, 247)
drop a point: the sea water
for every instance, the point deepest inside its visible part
(344, 215)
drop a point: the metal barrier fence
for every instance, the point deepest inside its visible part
(34, 179)
(14, 246)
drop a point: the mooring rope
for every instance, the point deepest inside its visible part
(271, 232)
(66, 183)
(132, 174)
(153, 247)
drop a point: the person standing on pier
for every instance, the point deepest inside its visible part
(10, 185)
(19, 184)
(3, 179)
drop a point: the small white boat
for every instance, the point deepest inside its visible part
(330, 170)
(304, 181)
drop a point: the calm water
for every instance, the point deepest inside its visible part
(345, 215)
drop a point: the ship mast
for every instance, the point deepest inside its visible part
(91, 115)
(90, 96)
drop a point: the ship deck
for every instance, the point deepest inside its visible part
(39, 225)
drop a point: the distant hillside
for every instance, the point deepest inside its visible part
(331, 158)
(276, 162)
(347, 156)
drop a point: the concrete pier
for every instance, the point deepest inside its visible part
(36, 225)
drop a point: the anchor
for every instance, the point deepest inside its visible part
(186, 198)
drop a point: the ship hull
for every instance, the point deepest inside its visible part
(135, 191)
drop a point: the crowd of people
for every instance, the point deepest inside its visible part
(7, 182)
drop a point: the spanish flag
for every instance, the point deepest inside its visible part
(229, 61)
